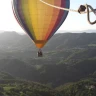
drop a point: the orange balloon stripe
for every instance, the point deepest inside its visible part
(54, 19)
(59, 19)
(47, 19)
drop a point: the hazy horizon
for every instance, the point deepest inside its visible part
(58, 31)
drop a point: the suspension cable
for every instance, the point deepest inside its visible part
(66, 9)
(88, 14)
(72, 10)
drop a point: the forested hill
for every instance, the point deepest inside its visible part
(68, 57)
(12, 41)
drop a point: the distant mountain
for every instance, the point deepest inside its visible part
(12, 41)
(78, 31)
(89, 31)
(70, 40)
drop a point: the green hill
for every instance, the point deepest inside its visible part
(85, 87)
(5, 76)
(69, 60)
(68, 57)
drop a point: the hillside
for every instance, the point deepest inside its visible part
(85, 87)
(6, 76)
(12, 41)
(68, 67)
(68, 57)
(25, 88)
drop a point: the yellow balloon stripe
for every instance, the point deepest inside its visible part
(33, 15)
(46, 18)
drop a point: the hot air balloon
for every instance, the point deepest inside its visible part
(38, 20)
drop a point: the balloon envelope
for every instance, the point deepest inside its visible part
(39, 20)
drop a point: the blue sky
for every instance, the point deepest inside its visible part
(74, 21)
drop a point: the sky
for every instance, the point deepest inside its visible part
(74, 21)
